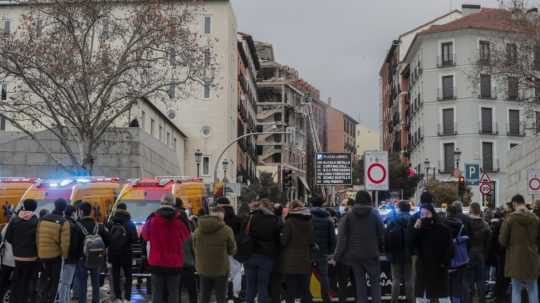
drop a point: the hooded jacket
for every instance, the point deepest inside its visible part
(324, 232)
(480, 237)
(399, 253)
(213, 243)
(297, 241)
(265, 231)
(165, 233)
(123, 217)
(53, 236)
(21, 233)
(360, 236)
(519, 236)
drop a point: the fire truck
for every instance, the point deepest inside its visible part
(11, 191)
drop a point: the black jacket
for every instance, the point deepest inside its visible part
(78, 238)
(21, 233)
(399, 253)
(265, 230)
(480, 238)
(297, 241)
(232, 220)
(123, 218)
(74, 254)
(324, 232)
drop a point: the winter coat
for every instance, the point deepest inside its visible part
(324, 232)
(53, 236)
(480, 241)
(123, 217)
(6, 250)
(89, 224)
(232, 220)
(213, 243)
(297, 240)
(21, 233)
(402, 252)
(265, 231)
(519, 235)
(189, 257)
(433, 245)
(165, 233)
(360, 235)
(74, 251)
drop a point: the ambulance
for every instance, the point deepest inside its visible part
(11, 191)
(99, 191)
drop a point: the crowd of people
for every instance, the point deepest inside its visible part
(267, 252)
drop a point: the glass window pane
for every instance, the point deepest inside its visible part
(487, 120)
(448, 121)
(448, 87)
(206, 166)
(207, 24)
(485, 86)
(514, 122)
(487, 156)
(449, 157)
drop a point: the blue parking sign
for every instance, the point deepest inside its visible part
(472, 174)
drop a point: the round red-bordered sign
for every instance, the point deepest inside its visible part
(376, 180)
(485, 188)
(534, 184)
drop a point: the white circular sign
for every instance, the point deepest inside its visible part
(534, 183)
(376, 173)
(485, 188)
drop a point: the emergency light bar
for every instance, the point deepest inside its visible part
(17, 180)
(180, 178)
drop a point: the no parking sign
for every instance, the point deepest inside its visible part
(376, 170)
(533, 181)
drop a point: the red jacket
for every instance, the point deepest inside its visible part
(165, 232)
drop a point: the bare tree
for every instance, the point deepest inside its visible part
(73, 67)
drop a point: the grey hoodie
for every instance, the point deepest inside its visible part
(360, 235)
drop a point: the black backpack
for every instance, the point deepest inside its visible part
(244, 243)
(93, 248)
(119, 239)
(395, 237)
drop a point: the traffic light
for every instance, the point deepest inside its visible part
(461, 186)
(287, 178)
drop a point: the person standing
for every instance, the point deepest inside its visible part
(264, 229)
(360, 243)
(21, 233)
(92, 255)
(519, 236)
(480, 245)
(324, 232)
(8, 263)
(433, 245)
(399, 251)
(213, 243)
(297, 241)
(166, 232)
(71, 261)
(187, 276)
(53, 236)
(457, 271)
(123, 235)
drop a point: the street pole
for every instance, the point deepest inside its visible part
(198, 170)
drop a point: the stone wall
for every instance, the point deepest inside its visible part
(125, 153)
(520, 159)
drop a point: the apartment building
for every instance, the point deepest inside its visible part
(341, 131)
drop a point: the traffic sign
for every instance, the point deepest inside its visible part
(533, 181)
(376, 170)
(486, 188)
(472, 173)
(485, 178)
(333, 168)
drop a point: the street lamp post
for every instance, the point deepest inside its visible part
(426, 165)
(225, 164)
(198, 158)
(457, 156)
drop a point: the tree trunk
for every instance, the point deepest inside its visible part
(86, 157)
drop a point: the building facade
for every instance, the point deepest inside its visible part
(453, 108)
(341, 132)
(248, 67)
(366, 139)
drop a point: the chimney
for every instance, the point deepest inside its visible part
(330, 101)
(469, 9)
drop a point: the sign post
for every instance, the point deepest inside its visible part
(486, 187)
(376, 174)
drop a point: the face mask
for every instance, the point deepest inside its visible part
(342, 209)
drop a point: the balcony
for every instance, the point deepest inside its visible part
(446, 62)
(490, 130)
(488, 167)
(515, 131)
(488, 94)
(443, 95)
(448, 131)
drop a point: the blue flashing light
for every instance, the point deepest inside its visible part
(66, 182)
(53, 185)
(81, 180)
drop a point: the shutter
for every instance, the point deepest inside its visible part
(487, 120)
(448, 121)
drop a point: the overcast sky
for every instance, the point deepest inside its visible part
(339, 45)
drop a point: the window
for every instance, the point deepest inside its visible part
(277, 117)
(172, 90)
(206, 165)
(512, 145)
(449, 157)
(168, 138)
(3, 91)
(537, 90)
(172, 56)
(536, 62)
(143, 119)
(485, 86)
(207, 24)
(485, 52)
(487, 156)
(513, 88)
(206, 91)
(447, 53)
(513, 123)
(207, 57)
(448, 121)
(2, 123)
(487, 120)
(511, 53)
(160, 134)
(537, 122)
(152, 127)
(7, 26)
(174, 143)
(448, 87)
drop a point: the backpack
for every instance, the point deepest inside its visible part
(245, 244)
(461, 251)
(93, 248)
(394, 237)
(119, 239)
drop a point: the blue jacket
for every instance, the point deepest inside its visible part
(324, 232)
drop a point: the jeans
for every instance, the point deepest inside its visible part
(125, 265)
(297, 287)
(49, 279)
(24, 278)
(66, 280)
(477, 271)
(83, 283)
(235, 276)
(258, 269)
(372, 268)
(321, 264)
(532, 289)
(187, 281)
(5, 280)
(402, 273)
(216, 284)
(165, 282)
